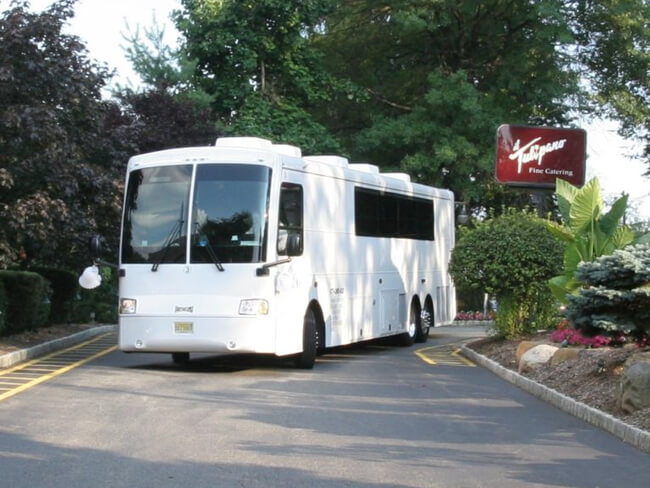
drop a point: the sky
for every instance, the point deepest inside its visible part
(101, 24)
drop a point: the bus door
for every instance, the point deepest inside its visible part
(291, 282)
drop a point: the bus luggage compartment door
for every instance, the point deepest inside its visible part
(392, 311)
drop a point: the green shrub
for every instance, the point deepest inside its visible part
(28, 303)
(512, 257)
(617, 297)
(588, 231)
(64, 289)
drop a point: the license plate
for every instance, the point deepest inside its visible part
(184, 327)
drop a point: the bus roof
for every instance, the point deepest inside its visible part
(247, 149)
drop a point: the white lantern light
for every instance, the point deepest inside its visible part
(90, 278)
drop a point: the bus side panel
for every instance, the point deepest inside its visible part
(359, 284)
(364, 285)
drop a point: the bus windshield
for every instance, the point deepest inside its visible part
(229, 213)
(155, 215)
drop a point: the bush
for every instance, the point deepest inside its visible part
(512, 257)
(572, 337)
(28, 303)
(64, 289)
(587, 231)
(616, 300)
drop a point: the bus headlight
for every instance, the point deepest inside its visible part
(127, 305)
(253, 307)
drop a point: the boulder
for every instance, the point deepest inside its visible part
(641, 357)
(634, 385)
(535, 357)
(565, 354)
(523, 347)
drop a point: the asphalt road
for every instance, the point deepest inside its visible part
(366, 416)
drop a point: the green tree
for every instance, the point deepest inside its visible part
(512, 257)
(612, 44)
(435, 79)
(256, 61)
(170, 110)
(419, 85)
(616, 298)
(160, 67)
(62, 148)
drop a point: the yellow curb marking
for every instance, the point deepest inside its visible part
(72, 353)
(444, 355)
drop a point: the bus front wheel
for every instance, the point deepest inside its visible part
(307, 358)
(408, 338)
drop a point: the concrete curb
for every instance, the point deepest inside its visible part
(628, 433)
(15, 357)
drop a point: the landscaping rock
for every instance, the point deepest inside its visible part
(634, 387)
(524, 347)
(641, 357)
(535, 357)
(580, 380)
(565, 354)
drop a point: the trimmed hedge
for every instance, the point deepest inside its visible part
(64, 289)
(28, 303)
(511, 256)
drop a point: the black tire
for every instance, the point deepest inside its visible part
(408, 338)
(310, 342)
(426, 322)
(421, 332)
(180, 357)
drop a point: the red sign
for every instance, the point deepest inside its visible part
(536, 156)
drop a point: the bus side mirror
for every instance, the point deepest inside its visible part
(294, 247)
(95, 247)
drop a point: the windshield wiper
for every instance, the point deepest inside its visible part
(173, 235)
(205, 243)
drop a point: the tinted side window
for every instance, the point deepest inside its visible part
(366, 216)
(386, 214)
(290, 224)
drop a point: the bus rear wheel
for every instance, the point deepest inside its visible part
(310, 342)
(424, 322)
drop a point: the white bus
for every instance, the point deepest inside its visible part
(249, 247)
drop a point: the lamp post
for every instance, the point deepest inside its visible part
(462, 218)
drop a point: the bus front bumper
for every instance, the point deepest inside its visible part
(197, 334)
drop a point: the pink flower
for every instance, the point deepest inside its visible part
(574, 337)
